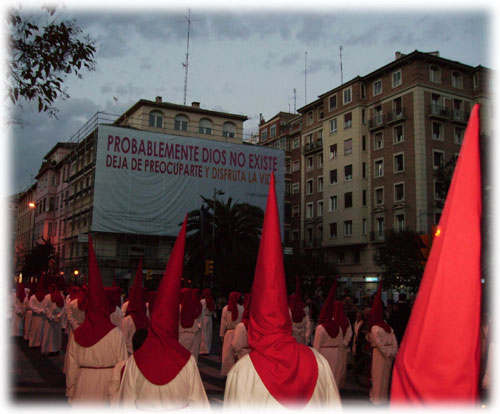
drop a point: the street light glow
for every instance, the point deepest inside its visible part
(31, 204)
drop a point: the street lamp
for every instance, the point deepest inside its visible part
(32, 206)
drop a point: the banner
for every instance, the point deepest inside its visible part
(146, 182)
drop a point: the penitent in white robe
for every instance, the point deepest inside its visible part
(90, 369)
(341, 373)
(52, 330)
(245, 389)
(301, 331)
(28, 313)
(190, 338)
(384, 348)
(17, 321)
(329, 347)
(37, 322)
(184, 391)
(226, 332)
(76, 316)
(206, 328)
(128, 330)
(239, 343)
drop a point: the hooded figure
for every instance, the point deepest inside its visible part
(38, 315)
(190, 321)
(17, 321)
(346, 329)
(52, 330)
(208, 306)
(76, 304)
(301, 324)
(97, 345)
(162, 374)
(384, 348)
(231, 316)
(278, 372)
(239, 343)
(114, 296)
(28, 313)
(135, 317)
(328, 335)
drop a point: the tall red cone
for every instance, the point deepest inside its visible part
(288, 369)
(438, 361)
(136, 305)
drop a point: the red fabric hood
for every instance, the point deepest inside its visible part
(288, 369)
(137, 305)
(331, 326)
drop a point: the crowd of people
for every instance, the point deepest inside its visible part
(276, 352)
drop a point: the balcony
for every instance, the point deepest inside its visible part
(312, 147)
(313, 243)
(396, 116)
(378, 121)
(439, 112)
(460, 116)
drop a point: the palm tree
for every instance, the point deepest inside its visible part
(231, 240)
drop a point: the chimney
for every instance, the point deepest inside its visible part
(195, 104)
(158, 99)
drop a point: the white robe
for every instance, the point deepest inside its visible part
(239, 343)
(185, 390)
(17, 321)
(28, 314)
(301, 331)
(37, 322)
(90, 369)
(76, 316)
(226, 332)
(190, 338)
(117, 317)
(206, 329)
(329, 347)
(52, 330)
(115, 382)
(245, 389)
(342, 362)
(385, 347)
(128, 330)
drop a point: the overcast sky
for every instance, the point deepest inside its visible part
(241, 60)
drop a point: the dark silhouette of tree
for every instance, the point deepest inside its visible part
(42, 55)
(232, 241)
(37, 261)
(401, 260)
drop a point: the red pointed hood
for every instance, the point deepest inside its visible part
(325, 317)
(438, 361)
(97, 323)
(136, 305)
(161, 357)
(40, 288)
(209, 299)
(288, 369)
(20, 292)
(377, 312)
(232, 305)
(55, 295)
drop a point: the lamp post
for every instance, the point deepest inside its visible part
(216, 193)
(32, 205)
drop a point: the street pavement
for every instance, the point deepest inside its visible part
(38, 379)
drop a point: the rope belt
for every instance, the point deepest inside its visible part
(333, 346)
(98, 367)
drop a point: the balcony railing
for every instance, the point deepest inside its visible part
(377, 121)
(439, 111)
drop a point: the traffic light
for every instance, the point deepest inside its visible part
(209, 267)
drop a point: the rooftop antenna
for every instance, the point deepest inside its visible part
(294, 100)
(305, 81)
(341, 74)
(186, 65)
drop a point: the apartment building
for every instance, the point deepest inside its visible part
(369, 151)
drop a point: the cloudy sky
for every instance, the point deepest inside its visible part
(243, 60)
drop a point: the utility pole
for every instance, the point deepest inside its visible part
(341, 74)
(186, 64)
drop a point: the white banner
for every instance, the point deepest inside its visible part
(145, 182)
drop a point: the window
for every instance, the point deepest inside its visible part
(348, 146)
(396, 78)
(156, 119)
(272, 131)
(399, 192)
(309, 163)
(295, 235)
(288, 187)
(320, 208)
(456, 80)
(333, 230)
(295, 211)
(379, 196)
(263, 135)
(295, 188)
(296, 143)
(379, 232)
(332, 101)
(228, 130)
(308, 139)
(378, 141)
(333, 125)
(377, 87)
(181, 123)
(348, 200)
(475, 81)
(398, 134)
(379, 168)
(347, 94)
(363, 169)
(399, 163)
(437, 131)
(320, 160)
(363, 194)
(296, 166)
(365, 227)
(333, 176)
(438, 190)
(397, 107)
(348, 228)
(341, 257)
(320, 184)
(378, 115)
(333, 203)
(348, 172)
(309, 210)
(310, 117)
(437, 159)
(363, 143)
(399, 222)
(348, 120)
(309, 186)
(333, 151)
(205, 126)
(459, 135)
(434, 74)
